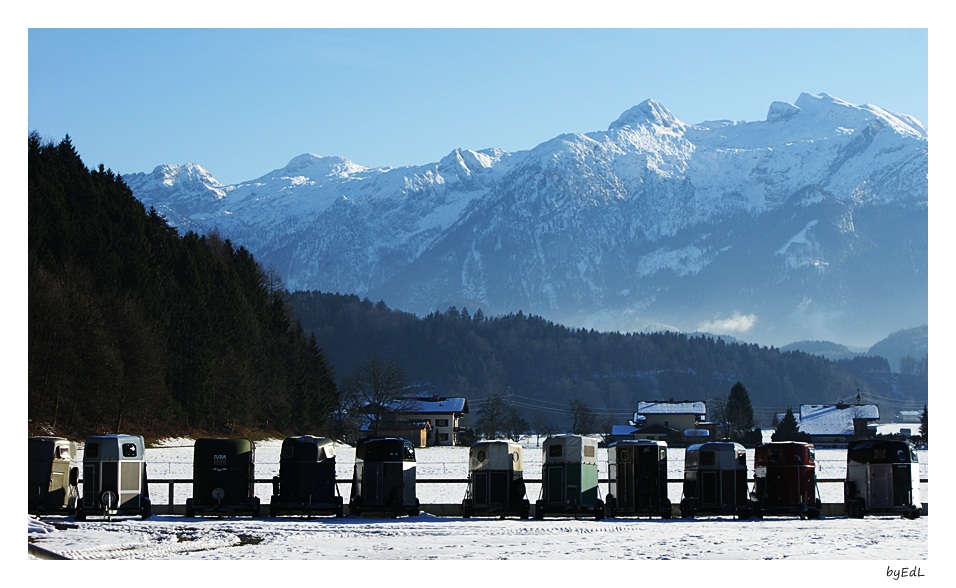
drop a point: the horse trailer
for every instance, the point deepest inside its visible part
(637, 478)
(223, 478)
(52, 476)
(785, 481)
(383, 478)
(306, 481)
(114, 477)
(569, 477)
(715, 480)
(495, 481)
(882, 477)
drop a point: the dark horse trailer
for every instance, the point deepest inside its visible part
(383, 478)
(715, 480)
(52, 476)
(785, 481)
(882, 477)
(306, 481)
(495, 481)
(569, 478)
(114, 477)
(637, 478)
(223, 478)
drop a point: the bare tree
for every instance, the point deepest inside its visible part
(374, 391)
(491, 416)
(718, 408)
(541, 425)
(515, 424)
(583, 421)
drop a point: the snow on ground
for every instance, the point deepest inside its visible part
(551, 546)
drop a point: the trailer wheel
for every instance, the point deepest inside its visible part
(610, 506)
(687, 510)
(525, 510)
(856, 508)
(913, 513)
(666, 509)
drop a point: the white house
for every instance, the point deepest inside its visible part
(837, 423)
(441, 416)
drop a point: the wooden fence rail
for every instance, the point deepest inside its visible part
(171, 482)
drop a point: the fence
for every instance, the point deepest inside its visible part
(446, 509)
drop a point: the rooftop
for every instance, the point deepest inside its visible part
(834, 419)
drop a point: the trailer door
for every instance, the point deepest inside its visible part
(881, 485)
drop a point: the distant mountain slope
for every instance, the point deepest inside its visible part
(828, 349)
(809, 225)
(908, 343)
(913, 343)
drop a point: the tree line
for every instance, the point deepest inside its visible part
(539, 368)
(133, 327)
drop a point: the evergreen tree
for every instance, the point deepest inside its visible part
(739, 413)
(132, 327)
(788, 429)
(924, 424)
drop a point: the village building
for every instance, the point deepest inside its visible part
(667, 421)
(428, 422)
(837, 423)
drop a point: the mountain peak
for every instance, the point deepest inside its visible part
(824, 106)
(312, 165)
(171, 174)
(648, 112)
(781, 111)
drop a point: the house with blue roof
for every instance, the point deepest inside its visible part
(437, 419)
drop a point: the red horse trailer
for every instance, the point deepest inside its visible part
(785, 481)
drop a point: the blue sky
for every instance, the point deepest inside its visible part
(242, 102)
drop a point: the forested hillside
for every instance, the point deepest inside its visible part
(135, 328)
(541, 367)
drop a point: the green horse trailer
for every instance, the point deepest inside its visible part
(52, 476)
(114, 477)
(306, 481)
(495, 481)
(223, 478)
(569, 478)
(637, 478)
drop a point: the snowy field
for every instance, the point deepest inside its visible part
(876, 539)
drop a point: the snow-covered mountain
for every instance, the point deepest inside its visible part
(811, 224)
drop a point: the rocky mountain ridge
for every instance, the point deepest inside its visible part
(809, 225)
